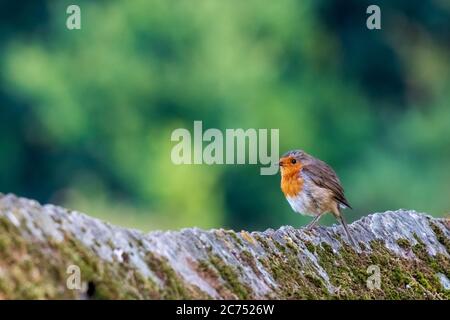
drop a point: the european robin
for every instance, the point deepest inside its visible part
(312, 188)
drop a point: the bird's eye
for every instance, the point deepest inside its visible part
(293, 161)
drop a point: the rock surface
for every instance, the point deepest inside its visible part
(42, 248)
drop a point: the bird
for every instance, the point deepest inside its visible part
(312, 188)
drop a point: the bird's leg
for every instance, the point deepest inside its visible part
(313, 223)
(344, 224)
(337, 213)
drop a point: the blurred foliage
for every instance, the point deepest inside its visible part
(86, 116)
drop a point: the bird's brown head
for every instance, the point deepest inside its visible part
(291, 162)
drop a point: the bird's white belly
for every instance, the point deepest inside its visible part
(301, 203)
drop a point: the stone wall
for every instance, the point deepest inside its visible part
(42, 248)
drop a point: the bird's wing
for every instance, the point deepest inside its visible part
(325, 177)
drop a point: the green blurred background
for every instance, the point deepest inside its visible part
(86, 116)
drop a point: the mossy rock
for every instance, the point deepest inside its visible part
(400, 255)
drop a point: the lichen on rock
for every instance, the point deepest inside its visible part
(38, 244)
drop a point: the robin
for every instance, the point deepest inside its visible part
(312, 188)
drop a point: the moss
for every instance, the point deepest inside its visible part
(400, 278)
(292, 246)
(347, 270)
(311, 248)
(296, 278)
(263, 242)
(234, 236)
(109, 280)
(403, 243)
(327, 248)
(279, 246)
(23, 278)
(314, 279)
(209, 274)
(248, 259)
(174, 287)
(106, 280)
(422, 279)
(440, 236)
(420, 250)
(230, 276)
(26, 278)
(247, 237)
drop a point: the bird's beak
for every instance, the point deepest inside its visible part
(280, 163)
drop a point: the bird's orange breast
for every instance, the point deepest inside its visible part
(291, 182)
